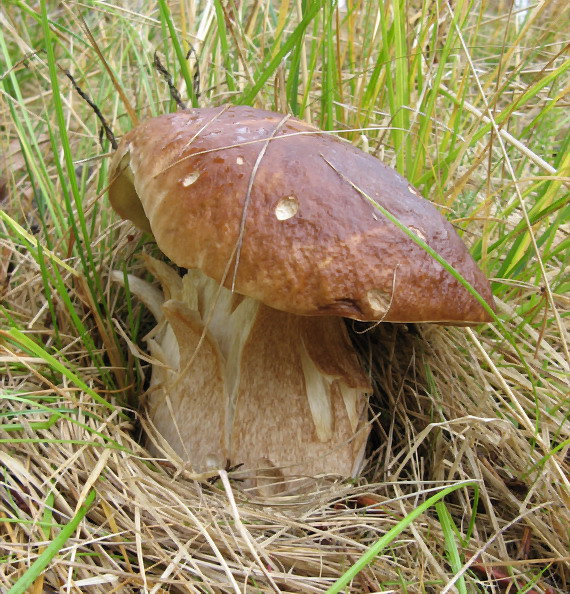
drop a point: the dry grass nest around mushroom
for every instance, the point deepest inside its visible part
(442, 414)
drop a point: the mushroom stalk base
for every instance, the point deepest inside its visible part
(240, 383)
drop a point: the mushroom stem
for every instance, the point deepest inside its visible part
(282, 395)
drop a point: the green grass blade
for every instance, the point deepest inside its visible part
(390, 536)
(30, 242)
(448, 529)
(38, 566)
(180, 55)
(329, 84)
(28, 345)
(225, 46)
(267, 69)
(401, 133)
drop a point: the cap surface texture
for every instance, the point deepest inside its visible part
(292, 202)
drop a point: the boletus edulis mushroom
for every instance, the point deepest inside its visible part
(275, 222)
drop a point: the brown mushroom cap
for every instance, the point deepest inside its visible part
(312, 244)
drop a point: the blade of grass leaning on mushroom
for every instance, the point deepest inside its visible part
(279, 248)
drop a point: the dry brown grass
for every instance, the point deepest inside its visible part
(154, 527)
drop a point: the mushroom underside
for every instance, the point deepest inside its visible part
(238, 383)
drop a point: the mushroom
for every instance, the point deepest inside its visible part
(275, 222)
